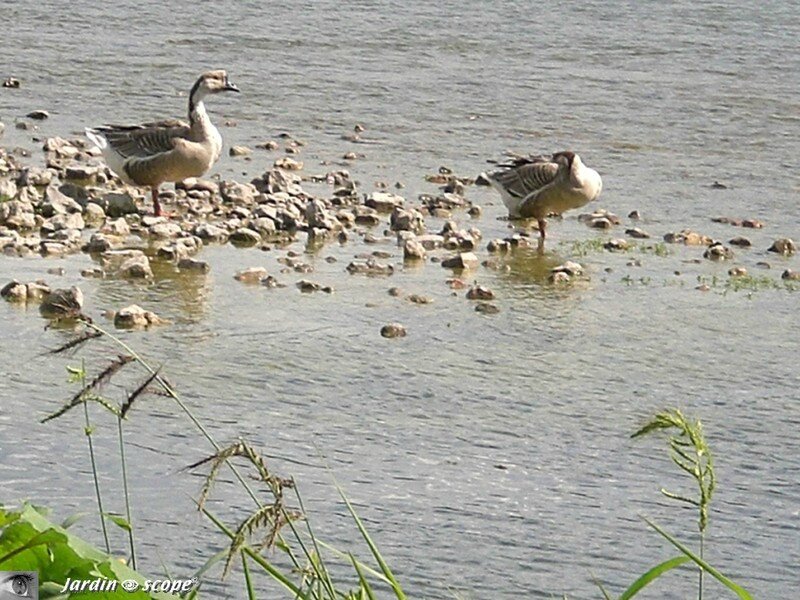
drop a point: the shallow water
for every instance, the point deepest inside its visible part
(489, 455)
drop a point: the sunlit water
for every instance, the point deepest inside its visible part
(489, 455)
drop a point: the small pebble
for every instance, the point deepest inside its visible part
(393, 330)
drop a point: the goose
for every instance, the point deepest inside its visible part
(153, 153)
(537, 186)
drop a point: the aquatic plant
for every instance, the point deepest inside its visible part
(689, 450)
(306, 574)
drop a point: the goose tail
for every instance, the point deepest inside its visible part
(97, 138)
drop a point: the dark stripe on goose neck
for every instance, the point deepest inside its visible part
(195, 87)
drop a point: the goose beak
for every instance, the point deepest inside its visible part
(230, 87)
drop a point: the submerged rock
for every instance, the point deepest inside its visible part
(62, 303)
(789, 275)
(463, 260)
(135, 317)
(251, 275)
(193, 265)
(480, 292)
(369, 267)
(487, 308)
(413, 250)
(717, 251)
(393, 330)
(783, 246)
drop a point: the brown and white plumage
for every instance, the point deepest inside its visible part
(535, 187)
(153, 153)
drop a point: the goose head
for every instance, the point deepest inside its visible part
(210, 82)
(565, 158)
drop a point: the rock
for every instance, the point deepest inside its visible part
(487, 308)
(418, 299)
(62, 303)
(67, 221)
(239, 151)
(211, 233)
(251, 275)
(164, 231)
(38, 115)
(480, 292)
(117, 204)
(752, 224)
(740, 241)
(8, 190)
(135, 317)
(783, 246)
(384, 201)
(717, 251)
(790, 275)
(474, 211)
(737, 271)
(572, 269)
(193, 265)
(93, 273)
(601, 223)
(242, 194)
(634, 215)
(245, 237)
(307, 287)
(97, 244)
(616, 245)
(395, 292)
(370, 267)
(413, 250)
(687, 237)
(558, 277)
(136, 267)
(497, 246)
(60, 271)
(16, 214)
(318, 217)
(407, 220)
(269, 145)
(11, 82)
(463, 260)
(14, 291)
(288, 164)
(430, 241)
(637, 233)
(597, 215)
(93, 213)
(763, 265)
(393, 330)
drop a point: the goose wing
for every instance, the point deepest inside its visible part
(526, 175)
(146, 140)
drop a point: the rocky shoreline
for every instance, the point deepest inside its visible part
(74, 204)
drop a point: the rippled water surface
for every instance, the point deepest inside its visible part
(489, 454)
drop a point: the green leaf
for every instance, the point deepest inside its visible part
(653, 574)
(118, 520)
(740, 591)
(72, 519)
(398, 591)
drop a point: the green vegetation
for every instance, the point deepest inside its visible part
(690, 452)
(275, 539)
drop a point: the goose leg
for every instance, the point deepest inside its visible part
(542, 224)
(156, 204)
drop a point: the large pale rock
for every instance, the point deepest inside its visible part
(384, 202)
(118, 204)
(136, 267)
(463, 260)
(135, 317)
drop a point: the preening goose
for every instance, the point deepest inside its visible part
(535, 187)
(153, 153)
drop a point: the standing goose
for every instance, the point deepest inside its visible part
(153, 153)
(535, 187)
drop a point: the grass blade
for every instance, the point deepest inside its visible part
(398, 591)
(365, 587)
(739, 590)
(652, 575)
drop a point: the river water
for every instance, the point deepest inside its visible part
(488, 454)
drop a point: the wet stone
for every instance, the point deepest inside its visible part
(370, 267)
(245, 237)
(718, 252)
(418, 299)
(251, 275)
(193, 265)
(784, 246)
(135, 317)
(463, 260)
(571, 268)
(740, 241)
(38, 115)
(637, 233)
(307, 287)
(413, 250)
(384, 201)
(239, 151)
(480, 292)
(393, 330)
(616, 245)
(737, 271)
(789, 275)
(62, 302)
(487, 308)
